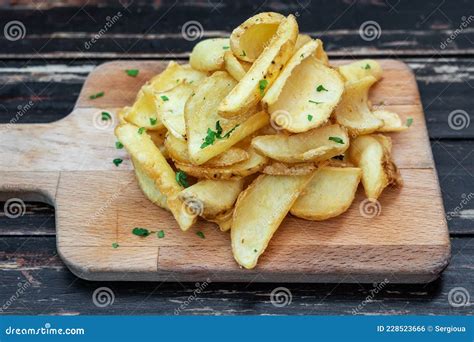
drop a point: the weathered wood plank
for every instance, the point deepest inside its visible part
(52, 289)
(154, 30)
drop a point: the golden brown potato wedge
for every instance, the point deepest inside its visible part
(329, 194)
(391, 121)
(143, 112)
(252, 87)
(237, 69)
(305, 93)
(372, 154)
(254, 164)
(208, 134)
(250, 38)
(258, 213)
(282, 169)
(208, 54)
(313, 146)
(148, 186)
(174, 74)
(353, 111)
(158, 137)
(358, 70)
(140, 146)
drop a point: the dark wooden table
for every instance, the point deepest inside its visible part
(48, 67)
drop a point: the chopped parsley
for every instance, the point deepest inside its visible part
(320, 88)
(367, 66)
(225, 47)
(160, 234)
(153, 121)
(336, 140)
(217, 134)
(97, 95)
(310, 117)
(200, 234)
(117, 161)
(315, 102)
(132, 72)
(182, 178)
(118, 145)
(255, 251)
(243, 53)
(141, 231)
(409, 122)
(141, 130)
(115, 245)
(262, 84)
(164, 97)
(106, 116)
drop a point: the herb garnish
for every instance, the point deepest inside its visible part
(106, 116)
(117, 161)
(95, 96)
(409, 122)
(310, 117)
(243, 53)
(225, 47)
(164, 97)
(115, 245)
(118, 145)
(141, 130)
(132, 72)
(262, 84)
(200, 234)
(153, 121)
(320, 88)
(213, 135)
(315, 102)
(160, 234)
(182, 178)
(367, 66)
(336, 140)
(141, 231)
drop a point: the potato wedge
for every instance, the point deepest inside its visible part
(252, 87)
(208, 54)
(210, 198)
(254, 164)
(315, 145)
(170, 107)
(178, 151)
(353, 111)
(282, 169)
(224, 220)
(302, 40)
(305, 93)
(121, 115)
(148, 187)
(249, 39)
(258, 213)
(329, 194)
(391, 121)
(320, 54)
(372, 154)
(174, 74)
(208, 134)
(143, 112)
(158, 137)
(358, 70)
(237, 69)
(153, 163)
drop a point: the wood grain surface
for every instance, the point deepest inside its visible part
(98, 204)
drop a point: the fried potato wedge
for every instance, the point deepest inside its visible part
(208, 54)
(301, 40)
(170, 106)
(329, 194)
(391, 121)
(143, 112)
(153, 163)
(254, 164)
(258, 213)
(178, 151)
(252, 87)
(237, 69)
(210, 198)
(353, 111)
(282, 169)
(148, 187)
(208, 134)
(358, 70)
(315, 145)
(305, 93)
(158, 137)
(174, 74)
(372, 154)
(224, 220)
(249, 39)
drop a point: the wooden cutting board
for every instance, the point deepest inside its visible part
(69, 163)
